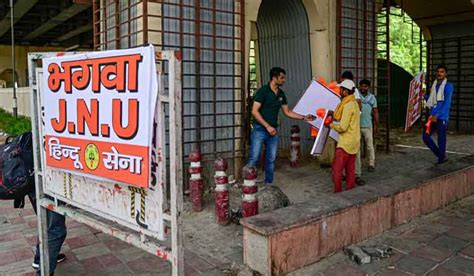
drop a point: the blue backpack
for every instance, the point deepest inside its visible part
(16, 168)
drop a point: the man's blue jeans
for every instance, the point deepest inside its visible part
(439, 150)
(259, 137)
(56, 236)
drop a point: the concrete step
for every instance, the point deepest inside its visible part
(296, 236)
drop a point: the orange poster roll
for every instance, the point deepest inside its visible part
(314, 132)
(333, 86)
(321, 112)
(428, 126)
(322, 81)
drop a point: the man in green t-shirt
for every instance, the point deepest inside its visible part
(267, 103)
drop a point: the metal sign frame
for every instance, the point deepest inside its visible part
(167, 247)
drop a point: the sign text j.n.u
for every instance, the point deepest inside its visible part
(98, 113)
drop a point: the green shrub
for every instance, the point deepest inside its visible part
(13, 126)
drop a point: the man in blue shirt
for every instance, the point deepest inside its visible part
(367, 128)
(439, 103)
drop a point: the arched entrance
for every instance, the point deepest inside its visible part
(283, 40)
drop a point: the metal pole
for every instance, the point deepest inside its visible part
(387, 37)
(458, 80)
(338, 38)
(421, 50)
(15, 104)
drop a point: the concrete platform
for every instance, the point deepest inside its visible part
(291, 238)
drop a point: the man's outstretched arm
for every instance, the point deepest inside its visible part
(293, 115)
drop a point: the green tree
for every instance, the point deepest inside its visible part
(404, 42)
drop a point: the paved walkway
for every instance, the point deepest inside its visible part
(441, 243)
(438, 244)
(88, 251)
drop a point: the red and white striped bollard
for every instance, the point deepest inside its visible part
(295, 149)
(195, 180)
(221, 193)
(249, 192)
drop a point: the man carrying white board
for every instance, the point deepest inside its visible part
(329, 151)
(267, 103)
(347, 75)
(347, 124)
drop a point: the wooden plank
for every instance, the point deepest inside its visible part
(135, 239)
(37, 157)
(176, 157)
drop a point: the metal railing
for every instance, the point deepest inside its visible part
(363, 38)
(210, 36)
(458, 56)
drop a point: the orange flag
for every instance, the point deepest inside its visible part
(428, 126)
(314, 132)
(322, 81)
(333, 87)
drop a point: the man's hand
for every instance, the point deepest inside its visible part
(434, 119)
(376, 129)
(423, 91)
(328, 121)
(309, 118)
(271, 130)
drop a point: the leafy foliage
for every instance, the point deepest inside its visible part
(14, 126)
(405, 42)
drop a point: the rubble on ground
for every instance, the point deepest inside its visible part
(271, 198)
(367, 254)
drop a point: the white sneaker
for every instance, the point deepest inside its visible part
(61, 258)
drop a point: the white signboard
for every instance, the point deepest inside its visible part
(122, 86)
(137, 202)
(318, 96)
(414, 101)
(98, 114)
(321, 137)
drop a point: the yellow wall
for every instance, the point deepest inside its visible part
(21, 59)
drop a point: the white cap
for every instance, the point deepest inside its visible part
(347, 84)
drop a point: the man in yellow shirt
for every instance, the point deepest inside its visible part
(347, 124)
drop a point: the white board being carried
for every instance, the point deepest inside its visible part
(321, 137)
(99, 135)
(318, 96)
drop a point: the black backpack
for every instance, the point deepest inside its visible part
(16, 168)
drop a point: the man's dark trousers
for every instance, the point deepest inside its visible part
(439, 150)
